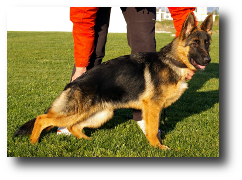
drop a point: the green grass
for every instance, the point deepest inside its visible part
(39, 65)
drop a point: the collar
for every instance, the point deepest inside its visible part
(177, 63)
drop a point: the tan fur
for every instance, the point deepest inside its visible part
(182, 52)
(151, 109)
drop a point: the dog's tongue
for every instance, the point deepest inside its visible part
(198, 65)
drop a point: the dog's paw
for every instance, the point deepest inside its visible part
(163, 147)
(33, 141)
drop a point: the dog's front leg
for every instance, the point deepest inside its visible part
(151, 115)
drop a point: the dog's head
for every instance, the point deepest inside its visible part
(193, 43)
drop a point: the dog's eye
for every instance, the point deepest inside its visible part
(195, 43)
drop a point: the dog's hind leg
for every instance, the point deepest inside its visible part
(76, 130)
(93, 121)
(48, 121)
(41, 122)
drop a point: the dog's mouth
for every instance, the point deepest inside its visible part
(196, 65)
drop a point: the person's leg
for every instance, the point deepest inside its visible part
(101, 31)
(140, 28)
(140, 35)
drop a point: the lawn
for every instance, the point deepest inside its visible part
(39, 65)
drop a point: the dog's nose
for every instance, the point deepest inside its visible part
(207, 59)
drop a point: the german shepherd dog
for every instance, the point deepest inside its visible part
(147, 81)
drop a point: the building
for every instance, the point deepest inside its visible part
(200, 13)
(162, 15)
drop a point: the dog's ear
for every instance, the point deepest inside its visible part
(207, 24)
(188, 26)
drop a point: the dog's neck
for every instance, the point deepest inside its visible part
(168, 55)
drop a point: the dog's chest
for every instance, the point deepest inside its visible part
(179, 90)
(182, 86)
(173, 93)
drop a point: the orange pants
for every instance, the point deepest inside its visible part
(179, 15)
(83, 19)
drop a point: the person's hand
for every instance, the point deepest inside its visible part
(189, 75)
(79, 72)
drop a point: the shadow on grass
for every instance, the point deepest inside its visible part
(193, 102)
(190, 103)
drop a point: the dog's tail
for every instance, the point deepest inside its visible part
(26, 128)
